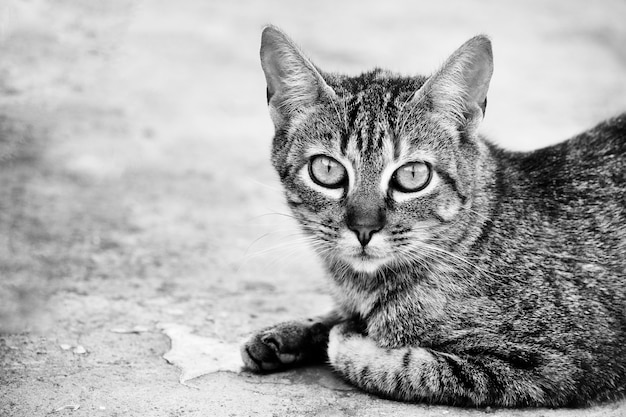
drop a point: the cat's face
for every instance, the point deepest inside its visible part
(380, 187)
(378, 168)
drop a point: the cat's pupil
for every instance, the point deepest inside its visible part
(327, 172)
(412, 177)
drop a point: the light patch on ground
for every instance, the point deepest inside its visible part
(196, 355)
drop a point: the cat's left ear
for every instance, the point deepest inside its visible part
(293, 83)
(458, 91)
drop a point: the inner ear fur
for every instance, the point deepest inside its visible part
(458, 90)
(293, 82)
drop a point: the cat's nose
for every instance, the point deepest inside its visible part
(365, 232)
(365, 220)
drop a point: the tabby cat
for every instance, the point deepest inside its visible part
(463, 273)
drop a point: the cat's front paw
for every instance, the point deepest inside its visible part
(279, 347)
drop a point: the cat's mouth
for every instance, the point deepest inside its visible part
(365, 254)
(365, 261)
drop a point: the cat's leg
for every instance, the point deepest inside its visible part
(493, 375)
(289, 344)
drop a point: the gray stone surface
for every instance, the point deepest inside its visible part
(136, 188)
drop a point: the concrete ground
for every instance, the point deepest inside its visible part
(136, 191)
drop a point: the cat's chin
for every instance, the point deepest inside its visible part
(366, 264)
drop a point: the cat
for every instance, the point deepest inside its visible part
(462, 273)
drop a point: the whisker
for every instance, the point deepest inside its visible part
(273, 213)
(280, 246)
(278, 189)
(293, 247)
(482, 216)
(459, 258)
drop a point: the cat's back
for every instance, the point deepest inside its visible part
(579, 183)
(587, 156)
(562, 209)
(594, 157)
(558, 238)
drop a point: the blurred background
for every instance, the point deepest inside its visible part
(135, 182)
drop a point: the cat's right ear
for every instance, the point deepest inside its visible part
(458, 91)
(293, 82)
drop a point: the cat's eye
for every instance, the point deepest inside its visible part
(412, 177)
(327, 172)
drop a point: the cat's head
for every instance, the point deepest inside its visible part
(379, 169)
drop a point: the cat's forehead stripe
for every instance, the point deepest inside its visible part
(370, 117)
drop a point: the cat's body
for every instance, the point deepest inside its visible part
(463, 273)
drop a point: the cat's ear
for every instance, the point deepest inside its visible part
(458, 91)
(293, 82)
